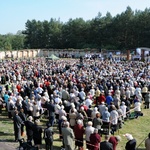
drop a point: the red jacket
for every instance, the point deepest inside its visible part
(79, 131)
(95, 140)
(114, 142)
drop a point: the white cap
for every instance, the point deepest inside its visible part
(79, 121)
(90, 123)
(30, 118)
(128, 136)
(63, 118)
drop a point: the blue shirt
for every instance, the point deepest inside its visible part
(6, 97)
(105, 116)
(109, 99)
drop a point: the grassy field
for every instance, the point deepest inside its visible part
(139, 128)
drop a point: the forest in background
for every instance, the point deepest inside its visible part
(128, 30)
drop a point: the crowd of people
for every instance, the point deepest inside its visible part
(91, 99)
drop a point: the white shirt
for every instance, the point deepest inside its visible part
(114, 117)
(88, 131)
(82, 94)
(62, 113)
(92, 91)
(137, 90)
(93, 115)
(57, 108)
(123, 108)
(132, 91)
(128, 93)
(57, 100)
(39, 89)
(137, 106)
(88, 102)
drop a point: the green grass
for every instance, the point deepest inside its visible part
(139, 128)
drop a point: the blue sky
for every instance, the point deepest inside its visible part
(15, 13)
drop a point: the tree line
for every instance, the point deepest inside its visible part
(128, 30)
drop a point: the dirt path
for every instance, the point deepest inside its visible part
(8, 146)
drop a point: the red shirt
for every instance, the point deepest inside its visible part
(18, 87)
(101, 99)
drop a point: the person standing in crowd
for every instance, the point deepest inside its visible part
(101, 98)
(114, 141)
(37, 134)
(82, 95)
(137, 108)
(95, 140)
(25, 106)
(51, 111)
(36, 111)
(6, 98)
(30, 108)
(29, 128)
(123, 107)
(97, 122)
(147, 100)
(114, 119)
(18, 104)
(97, 95)
(88, 101)
(1, 105)
(17, 126)
(10, 108)
(79, 132)
(147, 142)
(88, 131)
(106, 145)
(61, 124)
(131, 144)
(72, 117)
(94, 112)
(68, 137)
(109, 99)
(89, 113)
(23, 117)
(48, 136)
(144, 91)
(101, 107)
(106, 116)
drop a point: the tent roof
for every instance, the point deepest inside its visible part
(53, 57)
